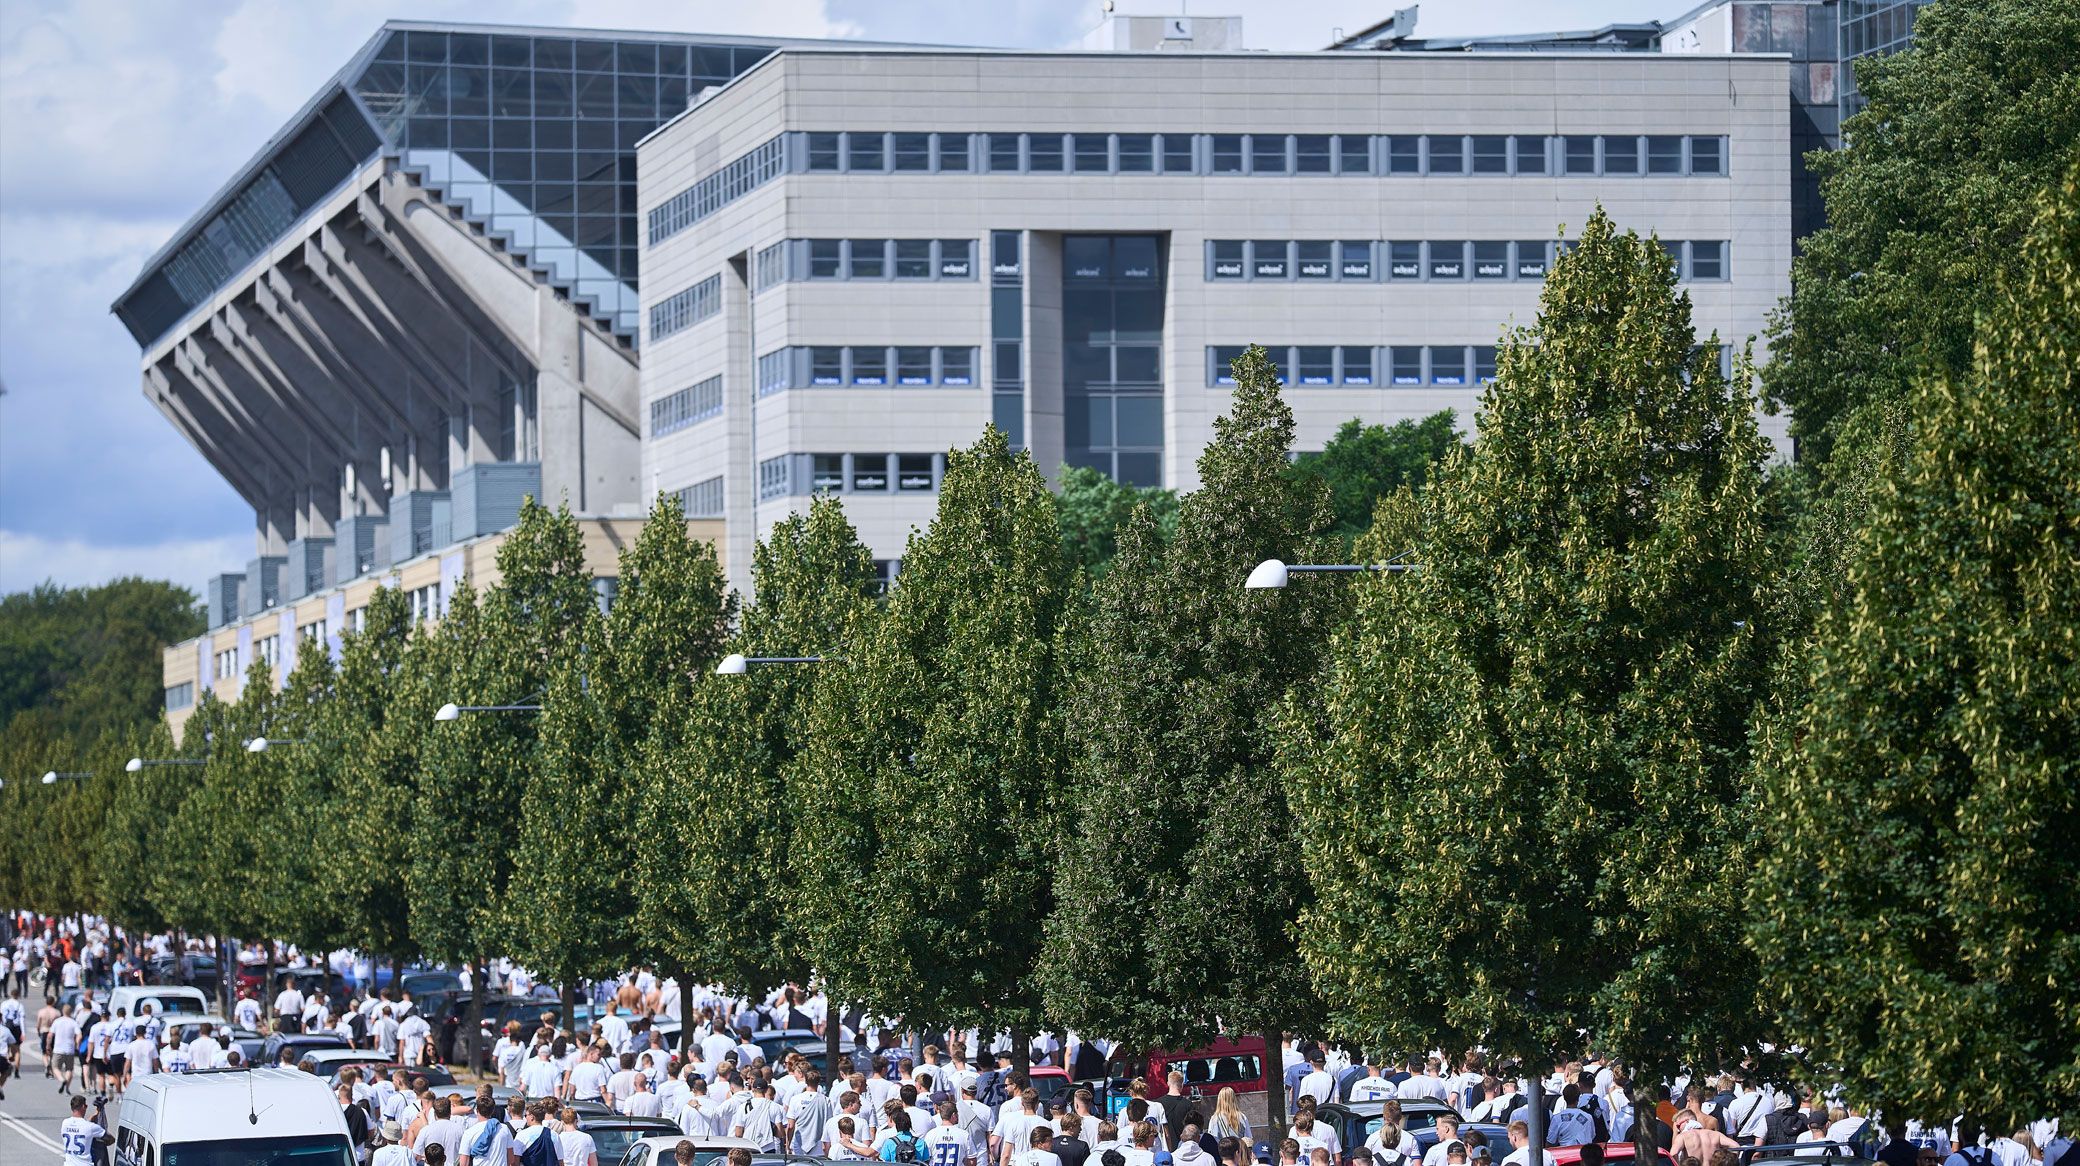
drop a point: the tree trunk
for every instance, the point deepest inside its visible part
(1535, 1090)
(267, 973)
(397, 976)
(473, 1019)
(685, 983)
(1021, 1051)
(567, 996)
(833, 1029)
(1275, 1089)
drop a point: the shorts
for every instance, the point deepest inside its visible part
(115, 1066)
(63, 1063)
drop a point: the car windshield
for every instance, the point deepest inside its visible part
(183, 1004)
(612, 1143)
(319, 1150)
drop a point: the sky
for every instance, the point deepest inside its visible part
(118, 118)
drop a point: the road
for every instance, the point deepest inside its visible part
(30, 1116)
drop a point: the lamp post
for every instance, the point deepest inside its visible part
(263, 744)
(1273, 574)
(51, 777)
(452, 711)
(736, 663)
(138, 763)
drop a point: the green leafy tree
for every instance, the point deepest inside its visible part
(1522, 786)
(137, 841)
(1090, 506)
(926, 894)
(85, 661)
(1930, 197)
(1178, 875)
(717, 768)
(207, 879)
(1364, 463)
(1915, 904)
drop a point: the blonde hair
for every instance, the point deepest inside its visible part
(1228, 1112)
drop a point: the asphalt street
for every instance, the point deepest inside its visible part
(30, 1115)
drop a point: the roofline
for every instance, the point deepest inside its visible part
(1561, 36)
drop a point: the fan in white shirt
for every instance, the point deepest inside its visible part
(642, 1102)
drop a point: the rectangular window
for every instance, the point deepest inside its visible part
(1491, 261)
(869, 366)
(1314, 260)
(676, 411)
(1224, 358)
(1356, 260)
(774, 371)
(1315, 365)
(1447, 366)
(1581, 154)
(913, 259)
(1447, 154)
(1484, 363)
(1044, 153)
(1003, 256)
(1531, 259)
(772, 477)
(865, 152)
(913, 366)
(913, 472)
(826, 258)
(314, 630)
(1707, 155)
(912, 152)
(1447, 261)
(1665, 154)
(869, 473)
(702, 499)
(1620, 154)
(1357, 365)
(956, 258)
(957, 366)
(269, 649)
(1707, 260)
(953, 153)
(1227, 259)
(1404, 154)
(772, 265)
(1405, 260)
(1267, 259)
(826, 366)
(1530, 154)
(1003, 153)
(1093, 153)
(826, 473)
(1674, 251)
(1267, 154)
(1354, 153)
(823, 153)
(1490, 154)
(1177, 154)
(1313, 154)
(1137, 153)
(1407, 364)
(869, 258)
(1227, 153)
(180, 696)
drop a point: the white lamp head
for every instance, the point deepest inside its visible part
(1271, 573)
(732, 665)
(51, 778)
(133, 765)
(257, 745)
(448, 712)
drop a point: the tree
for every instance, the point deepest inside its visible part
(1090, 506)
(86, 661)
(209, 878)
(1364, 463)
(1177, 875)
(717, 770)
(938, 737)
(1929, 198)
(1530, 746)
(1915, 903)
(136, 842)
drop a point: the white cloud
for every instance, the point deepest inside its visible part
(27, 560)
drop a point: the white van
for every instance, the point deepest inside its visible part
(253, 1117)
(165, 999)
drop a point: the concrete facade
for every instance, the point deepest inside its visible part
(768, 303)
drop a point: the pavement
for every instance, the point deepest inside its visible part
(31, 1114)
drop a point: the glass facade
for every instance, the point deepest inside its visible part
(1112, 355)
(532, 136)
(1872, 28)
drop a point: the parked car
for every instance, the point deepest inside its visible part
(319, 1064)
(1614, 1154)
(201, 972)
(657, 1149)
(613, 1133)
(297, 1043)
(774, 1043)
(1355, 1121)
(249, 1044)
(252, 977)
(1236, 1064)
(1807, 1153)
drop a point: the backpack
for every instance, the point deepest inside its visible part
(903, 1148)
(541, 1151)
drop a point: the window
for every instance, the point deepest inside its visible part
(823, 153)
(826, 473)
(1531, 259)
(772, 477)
(1224, 358)
(1313, 154)
(1003, 255)
(826, 258)
(1314, 260)
(865, 152)
(677, 313)
(826, 366)
(357, 619)
(1404, 154)
(953, 153)
(775, 372)
(739, 178)
(912, 152)
(314, 630)
(1357, 365)
(1491, 261)
(913, 259)
(702, 499)
(957, 366)
(1357, 260)
(772, 265)
(676, 411)
(1707, 260)
(913, 472)
(1665, 154)
(1620, 154)
(1177, 154)
(1044, 153)
(1227, 261)
(180, 696)
(1268, 259)
(1581, 154)
(885, 572)
(1447, 261)
(956, 259)
(1405, 260)
(1315, 365)
(1407, 364)
(1490, 154)
(1137, 153)
(1530, 154)
(1707, 155)
(1003, 153)
(425, 602)
(1267, 154)
(1448, 366)
(870, 473)
(1484, 363)
(1354, 153)
(1674, 251)
(1227, 153)
(1092, 153)
(913, 366)
(869, 258)
(869, 366)
(1447, 154)
(225, 665)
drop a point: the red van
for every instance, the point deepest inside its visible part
(1228, 1063)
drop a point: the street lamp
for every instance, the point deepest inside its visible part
(1271, 574)
(736, 663)
(137, 763)
(263, 744)
(51, 778)
(452, 711)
